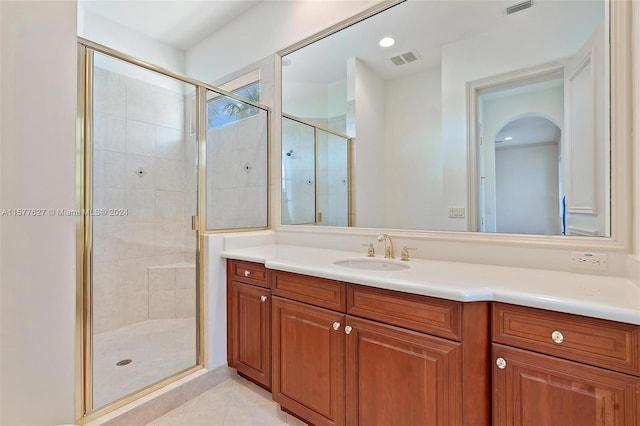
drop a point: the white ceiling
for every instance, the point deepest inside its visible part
(526, 131)
(177, 23)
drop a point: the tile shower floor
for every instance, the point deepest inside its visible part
(234, 402)
(158, 348)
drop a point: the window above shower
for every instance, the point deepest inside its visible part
(222, 110)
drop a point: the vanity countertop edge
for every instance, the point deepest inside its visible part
(606, 297)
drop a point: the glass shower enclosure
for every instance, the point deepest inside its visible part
(147, 196)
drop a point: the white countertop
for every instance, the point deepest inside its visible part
(613, 298)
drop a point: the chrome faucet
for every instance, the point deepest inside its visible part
(388, 245)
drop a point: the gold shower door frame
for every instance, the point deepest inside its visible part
(84, 235)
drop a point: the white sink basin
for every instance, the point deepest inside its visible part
(372, 264)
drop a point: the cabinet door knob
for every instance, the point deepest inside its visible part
(557, 337)
(348, 329)
(501, 363)
(263, 298)
(336, 326)
(247, 273)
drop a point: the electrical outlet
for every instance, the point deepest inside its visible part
(456, 212)
(590, 261)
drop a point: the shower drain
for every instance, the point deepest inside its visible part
(124, 362)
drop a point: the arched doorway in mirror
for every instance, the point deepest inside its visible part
(527, 192)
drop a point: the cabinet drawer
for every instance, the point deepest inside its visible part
(248, 272)
(315, 291)
(430, 315)
(603, 343)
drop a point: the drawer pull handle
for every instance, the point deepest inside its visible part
(336, 326)
(501, 363)
(263, 298)
(557, 337)
(247, 273)
(348, 329)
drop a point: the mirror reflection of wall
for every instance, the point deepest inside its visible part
(406, 106)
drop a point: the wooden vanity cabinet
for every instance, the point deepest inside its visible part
(398, 356)
(416, 360)
(309, 347)
(558, 369)
(249, 321)
(401, 377)
(308, 368)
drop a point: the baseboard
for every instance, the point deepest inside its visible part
(160, 402)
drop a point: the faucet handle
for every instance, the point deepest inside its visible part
(404, 254)
(371, 252)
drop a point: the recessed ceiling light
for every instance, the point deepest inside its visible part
(387, 42)
(508, 138)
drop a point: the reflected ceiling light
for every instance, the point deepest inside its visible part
(387, 42)
(286, 62)
(508, 138)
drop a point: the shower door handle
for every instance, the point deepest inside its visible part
(194, 223)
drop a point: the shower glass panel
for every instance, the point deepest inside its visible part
(298, 173)
(315, 175)
(143, 280)
(237, 152)
(333, 180)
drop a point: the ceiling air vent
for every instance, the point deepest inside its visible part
(405, 58)
(518, 7)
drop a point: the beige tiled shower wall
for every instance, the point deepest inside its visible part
(237, 178)
(142, 165)
(172, 291)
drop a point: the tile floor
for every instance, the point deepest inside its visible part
(234, 402)
(158, 348)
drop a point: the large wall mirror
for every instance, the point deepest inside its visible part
(458, 116)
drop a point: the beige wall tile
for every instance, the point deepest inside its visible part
(162, 304)
(162, 278)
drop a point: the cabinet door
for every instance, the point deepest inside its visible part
(540, 390)
(249, 331)
(308, 361)
(401, 377)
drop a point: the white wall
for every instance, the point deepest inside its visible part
(1, 206)
(368, 147)
(413, 152)
(116, 36)
(38, 136)
(337, 99)
(634, 261)
(263, 30)
(305, 100)
(636, 123)
(534, 210)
